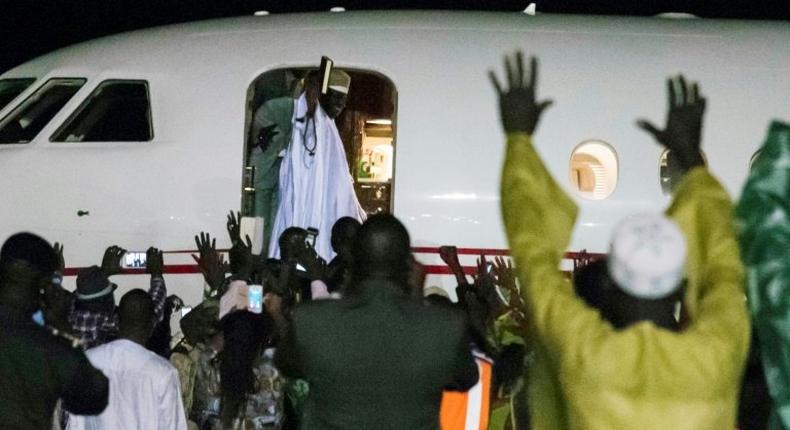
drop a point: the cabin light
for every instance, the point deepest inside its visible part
(261, 12)
(337, 9)
(531, 9)
(677, 15)
(381, 121)
(454, 196)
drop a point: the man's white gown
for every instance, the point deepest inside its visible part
(315, 190)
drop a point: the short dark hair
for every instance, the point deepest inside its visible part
(291, 237)
(136, 311)
(344, 231)
(32, 249)
(382, 245)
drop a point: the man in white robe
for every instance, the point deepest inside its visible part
(145, 391)
(316, 187)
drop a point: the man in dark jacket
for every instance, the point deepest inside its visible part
(37, 366)
(377, 358)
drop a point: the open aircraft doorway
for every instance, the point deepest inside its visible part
(366, 127)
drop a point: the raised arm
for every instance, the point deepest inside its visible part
(154, 265)
(538, 215)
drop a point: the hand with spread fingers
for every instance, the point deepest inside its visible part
(682, 134)
(211, 263)
(519, 109)
(234, 226)
(154, 262)
(241, 259)
(111, 262)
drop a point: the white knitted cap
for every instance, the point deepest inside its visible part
(647, 256)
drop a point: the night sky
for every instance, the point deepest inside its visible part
(29, 28)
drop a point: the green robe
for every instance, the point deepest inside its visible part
(764, 232)
(267, 163)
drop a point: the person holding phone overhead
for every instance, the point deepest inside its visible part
(315, 187)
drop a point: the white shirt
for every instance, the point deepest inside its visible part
(145, 393)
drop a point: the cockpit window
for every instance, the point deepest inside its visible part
(116, 111)
(26, 121)
(10, 88)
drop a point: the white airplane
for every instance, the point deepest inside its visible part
(138, 139)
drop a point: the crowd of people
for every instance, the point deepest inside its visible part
(656, 334)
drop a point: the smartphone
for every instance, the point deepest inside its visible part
(489, 267)
(324, 72)
(185, 310)
(255, 298)
(134, 260)
(311, 235)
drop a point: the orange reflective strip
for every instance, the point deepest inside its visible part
(456, 409)
(452, 414)
(485, 406)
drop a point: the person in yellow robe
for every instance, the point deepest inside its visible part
(588, 374)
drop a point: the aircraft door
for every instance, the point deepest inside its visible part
(366, 127)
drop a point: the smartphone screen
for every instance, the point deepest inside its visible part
(255, 299)
(134, 260)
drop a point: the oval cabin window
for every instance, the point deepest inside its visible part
(594, 169)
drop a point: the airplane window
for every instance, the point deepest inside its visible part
(10, 88)
(116, 111)
(23, 123)
(594, 169)
(669, 171)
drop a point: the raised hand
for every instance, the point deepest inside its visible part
(111, 262)
(234, 226)
(449, 255)
(504, 274)
(265, 137)
(314, 265)
(59, 253)
(211, 263)
(518, 107)
(513, 301)
(241, 259)
(682, 134)
(154, 262)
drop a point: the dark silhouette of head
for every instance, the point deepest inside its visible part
(136, 316)
(27, 265)
(334, 101)
(597, 288)
(291, 240)
(343, 233)
(382, 249)
(90, 281)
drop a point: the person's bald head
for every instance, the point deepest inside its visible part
(382, 248)
(291, 240)
(136, 316)
(343, 233)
